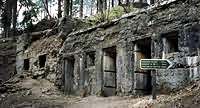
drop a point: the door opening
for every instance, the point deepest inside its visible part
(109, 71)
(142, 50)
(68, 75)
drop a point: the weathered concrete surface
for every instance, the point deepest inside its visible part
(153, 22)
(7, 58)
(48, 46)
(172, 79)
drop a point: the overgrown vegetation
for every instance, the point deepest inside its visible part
(110, 14)
(21, 15)
(30, 14)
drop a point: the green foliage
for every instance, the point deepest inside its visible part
(108, 15)
(115, 12)
(30, 14)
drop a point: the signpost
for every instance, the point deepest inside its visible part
(154, 65)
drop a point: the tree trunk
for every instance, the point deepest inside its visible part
(71, 7)
(127, 2)
(59, 9)
(47, 5)
(112, 3)
(119, 2)
(14, 16)
(7, 16)
(100, 9)
(91, 7)
(81, 8)
(45, 2)
(100, 6)
(104, 4)
(97, 6)
(66, 7)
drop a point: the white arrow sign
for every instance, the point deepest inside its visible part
(150, 64)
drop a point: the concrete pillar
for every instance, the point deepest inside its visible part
(136, 62)
(98, 86)
(82, 78)
(76, 74)
(164, 51)
(137, 77)
(83, 75)
(124, 69)
(130, 67)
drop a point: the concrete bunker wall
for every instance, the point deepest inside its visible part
(151, 23)
(40, 59)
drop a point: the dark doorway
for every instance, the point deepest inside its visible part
(109, 71)
(26, 64)
(68, 75)
(142, 50)
(90, 59)
(42, 60)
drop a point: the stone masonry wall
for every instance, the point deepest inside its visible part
(49, 47)
(180, 16)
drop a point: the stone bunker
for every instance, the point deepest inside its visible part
(104, 59)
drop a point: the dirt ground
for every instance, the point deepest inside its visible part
(43, 94)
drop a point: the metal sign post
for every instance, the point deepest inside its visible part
(154, 65)
(153, 74)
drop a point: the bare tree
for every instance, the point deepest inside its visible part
(9, 17)
(14, 16)
(71, 7)
(119, 2)
(59, 9)
(66, 7)
(100, 6)
(81, 8)
(112, 3)
(127, 2)
(46, 7)
(104, 4)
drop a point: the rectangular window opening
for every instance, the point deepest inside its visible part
(171, 43)
(42, 60)
(26, 64)
(90, 59)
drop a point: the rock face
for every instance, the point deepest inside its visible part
(7, 58)
(104, 59)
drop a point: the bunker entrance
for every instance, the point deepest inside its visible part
(42, 60)
(142, 50)
(26, 64)
(109, 71)
(68, 75)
